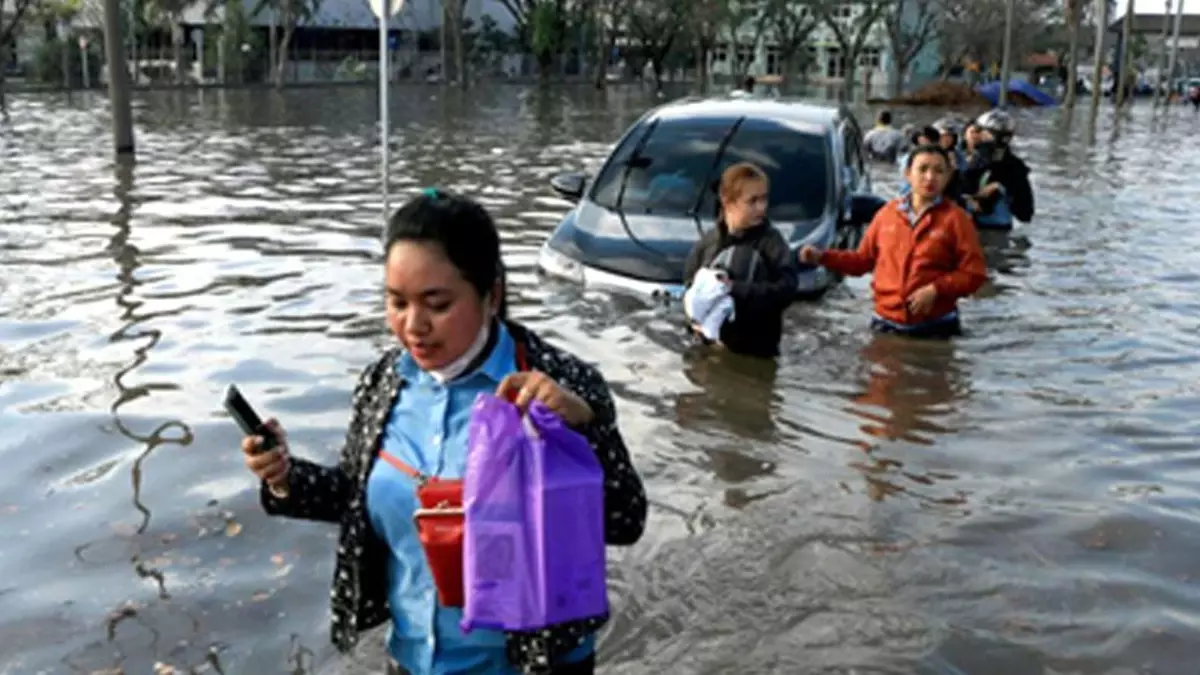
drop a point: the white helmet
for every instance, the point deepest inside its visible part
(999, 122)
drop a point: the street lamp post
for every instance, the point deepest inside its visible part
(384, 10)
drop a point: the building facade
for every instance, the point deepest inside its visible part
(415, 15)
(825, 64)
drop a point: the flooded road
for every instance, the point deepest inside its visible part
(1019, 502)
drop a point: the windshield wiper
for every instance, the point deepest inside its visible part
(704, 185)
(635, 161)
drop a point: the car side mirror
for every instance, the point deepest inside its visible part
(569, 185)
(862, 209)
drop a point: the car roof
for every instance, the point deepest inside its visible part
(796, 113)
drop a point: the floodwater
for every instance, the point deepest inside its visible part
(1022, 501)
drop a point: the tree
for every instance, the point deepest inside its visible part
(852, 31)
(656, 25)
(705, 19)
(288, 15)
(975, 29)
(9, 30)
(547, 34)
(610, 19)
(169, 13)
(910, 25)
(738, 17)
(454, 14)
(792, 22)
(1073, 13)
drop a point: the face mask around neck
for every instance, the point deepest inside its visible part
(458, 367)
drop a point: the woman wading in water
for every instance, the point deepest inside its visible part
(445, 306)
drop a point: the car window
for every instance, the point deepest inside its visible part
(796, 163)
(677, 160)
(671, 167)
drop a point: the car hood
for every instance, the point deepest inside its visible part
(643, 246)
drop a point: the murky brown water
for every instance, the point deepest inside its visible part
(1020, 502)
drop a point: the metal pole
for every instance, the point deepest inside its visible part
(83, 55)
(1174, 46)
(133, 37)
(1098, 59)
(1010, 17)
(384, 76)
(1162, 55)
(1126, 55)
(118, 81)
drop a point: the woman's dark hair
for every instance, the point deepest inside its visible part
(926, 149)
(462, 228)
(928, 133)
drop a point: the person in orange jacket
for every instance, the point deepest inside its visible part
(923, 250)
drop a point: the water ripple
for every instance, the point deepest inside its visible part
(1020, 501)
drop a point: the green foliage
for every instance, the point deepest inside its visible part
(547, 28)
(48, 63)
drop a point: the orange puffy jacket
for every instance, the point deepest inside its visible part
(941, 247)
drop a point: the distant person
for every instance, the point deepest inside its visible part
(926, 135)
(948, 137)
(923, 251)
(746, 90)
(996, 184)
(1194, 97)
(751, 259)
(884, 142)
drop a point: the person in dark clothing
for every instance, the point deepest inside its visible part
(996, 182)
(754, 261)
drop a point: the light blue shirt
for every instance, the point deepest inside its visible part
(427, 430)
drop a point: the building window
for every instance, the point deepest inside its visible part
(720, 54)
(835, 64)
(773, 65)
(843, 11)
(870, 58)
(745, 57)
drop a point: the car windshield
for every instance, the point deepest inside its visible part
(677, 158)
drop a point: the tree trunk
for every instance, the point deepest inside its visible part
(656, 64)
(281, 51)
(3, 69)
(896, 77)
(603, 49)
(1072, 58)
(460, 50)
(177, 50)
(702, 67)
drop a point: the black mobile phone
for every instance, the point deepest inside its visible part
(247, 419)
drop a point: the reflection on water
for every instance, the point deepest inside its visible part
(1021, 500)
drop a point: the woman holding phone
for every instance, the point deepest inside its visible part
(445, 306)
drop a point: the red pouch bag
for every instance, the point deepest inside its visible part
(440, 523)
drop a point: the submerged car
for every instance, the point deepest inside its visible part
(656, 194)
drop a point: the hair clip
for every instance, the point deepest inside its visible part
(432, 193)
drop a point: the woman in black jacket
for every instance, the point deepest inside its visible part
(445, 306)
(759, 267)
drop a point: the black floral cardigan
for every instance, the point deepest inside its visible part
(337, 494)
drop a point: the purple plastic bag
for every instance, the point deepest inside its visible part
(533, 494)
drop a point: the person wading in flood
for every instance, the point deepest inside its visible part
(924, 253)
(883, 143)
(751, 259)
(996, 185)
(446, 310)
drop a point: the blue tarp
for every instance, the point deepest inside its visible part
(991, 91)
